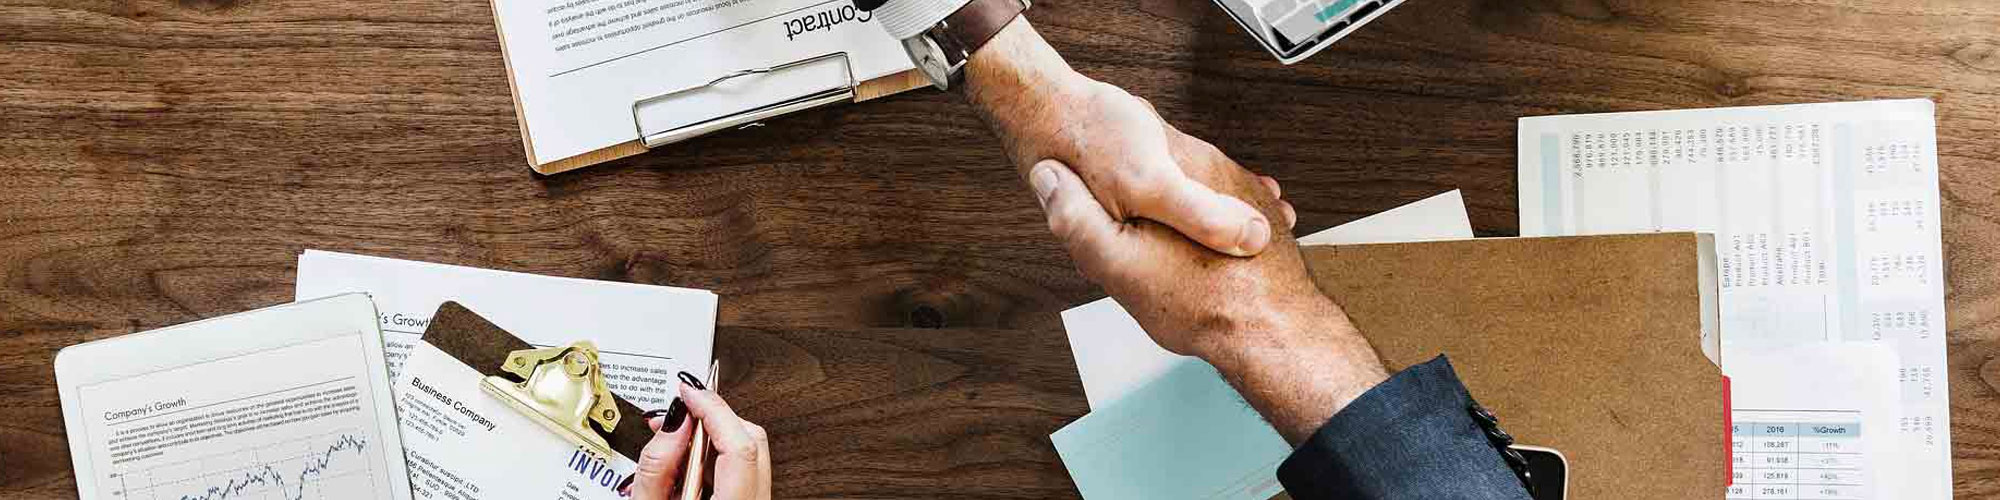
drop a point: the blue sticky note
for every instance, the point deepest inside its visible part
(1186, 434)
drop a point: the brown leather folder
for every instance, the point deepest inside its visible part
(484, 346)
(1590, 345)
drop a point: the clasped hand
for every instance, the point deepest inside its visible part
(1115, 169)
(1138, 167)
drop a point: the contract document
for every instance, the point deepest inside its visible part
(288, 402)
(580, 68)
(1826, 219)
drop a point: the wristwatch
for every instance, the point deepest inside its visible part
(941, 51)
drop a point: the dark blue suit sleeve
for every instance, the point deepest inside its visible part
(1414, 436)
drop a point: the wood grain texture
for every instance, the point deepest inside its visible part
(162, 162)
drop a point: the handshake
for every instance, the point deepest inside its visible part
(1198, 249)
(1193, 245)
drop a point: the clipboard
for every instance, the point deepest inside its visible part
(853, 91)
(485, 347)
(861, 90)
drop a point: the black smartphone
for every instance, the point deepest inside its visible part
(1548, 471)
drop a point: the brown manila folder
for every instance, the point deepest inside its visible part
(1593, 345)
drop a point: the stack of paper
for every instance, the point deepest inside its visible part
(1826, 222)
(304, 400)
(1827, 219)
(647, 333)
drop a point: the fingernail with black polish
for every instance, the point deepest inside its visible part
(676, 413)
(689, 379)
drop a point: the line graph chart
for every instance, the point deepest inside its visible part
(329, 465)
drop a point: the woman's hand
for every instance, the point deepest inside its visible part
(742, 465)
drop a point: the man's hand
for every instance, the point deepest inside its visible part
(1260, 321)
(1116, 142)
(1134, 201)
(1192, 301)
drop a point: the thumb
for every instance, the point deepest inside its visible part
(739, 460)
(660, 461)
(1077, 219)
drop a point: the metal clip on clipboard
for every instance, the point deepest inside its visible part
(561, 388)
(843, 91)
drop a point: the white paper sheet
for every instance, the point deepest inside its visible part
(1827, 226)
(579, 65)
(286, 402)
(645, 334)
(1114, 356)
(1814, 444)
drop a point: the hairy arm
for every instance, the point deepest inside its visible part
(1300, 369)
(1042, 109)
(1259, 320)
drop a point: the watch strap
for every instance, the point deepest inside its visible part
(965, 31)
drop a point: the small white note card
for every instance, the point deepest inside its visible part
(1826, 222)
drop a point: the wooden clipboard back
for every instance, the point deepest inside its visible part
(482, 345)
(1589, 345)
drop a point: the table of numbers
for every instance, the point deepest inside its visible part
(1815, 456)
(1827, 230)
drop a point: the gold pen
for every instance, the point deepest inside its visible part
(698, 446)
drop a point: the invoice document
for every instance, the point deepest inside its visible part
(1826, 219)
(1155, 414)
(578, 67)
(286, 403)
(645, 333)
(464, 444)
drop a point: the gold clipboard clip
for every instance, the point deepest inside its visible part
(561, 388)
(812, 98)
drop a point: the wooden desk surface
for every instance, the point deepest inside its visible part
(882, 270)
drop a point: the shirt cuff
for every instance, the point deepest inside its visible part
(1412, 436)
(906, 18)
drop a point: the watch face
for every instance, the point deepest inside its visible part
(929, 59)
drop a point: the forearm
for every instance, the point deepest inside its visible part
(1299, 363)
(1299, 367)
(1019, 84)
